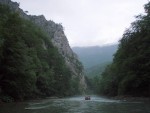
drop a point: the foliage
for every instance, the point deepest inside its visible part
(129, 73)
(96, 70)
(30, 66)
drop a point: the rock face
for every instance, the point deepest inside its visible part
(56, 34)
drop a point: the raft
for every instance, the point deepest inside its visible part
(87, 98)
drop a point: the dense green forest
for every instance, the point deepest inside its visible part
(30, 66)
(96, 70)
(129, 74)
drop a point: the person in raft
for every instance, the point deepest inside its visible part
(87, 98)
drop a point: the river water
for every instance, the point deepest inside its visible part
(77, 105)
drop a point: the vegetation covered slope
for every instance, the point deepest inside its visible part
(96, 70)
(95, 55)
(129, 74)
(30, 66)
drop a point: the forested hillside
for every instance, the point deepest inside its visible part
(95, 58)
(129, 74)
(96, 70)
(95, 55)
(30, 66)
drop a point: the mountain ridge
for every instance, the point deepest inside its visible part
(95, 55)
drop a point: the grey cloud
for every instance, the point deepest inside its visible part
(88, 22)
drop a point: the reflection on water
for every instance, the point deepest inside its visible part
(76, 105)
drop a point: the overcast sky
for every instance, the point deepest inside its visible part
(88, 22)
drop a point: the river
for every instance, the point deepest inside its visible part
(77, 105)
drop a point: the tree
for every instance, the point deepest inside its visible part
(129, 72)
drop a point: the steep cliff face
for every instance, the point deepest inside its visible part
(58, 38)
(56, 33)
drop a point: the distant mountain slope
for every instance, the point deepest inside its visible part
(96, 70)
(95, 55)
